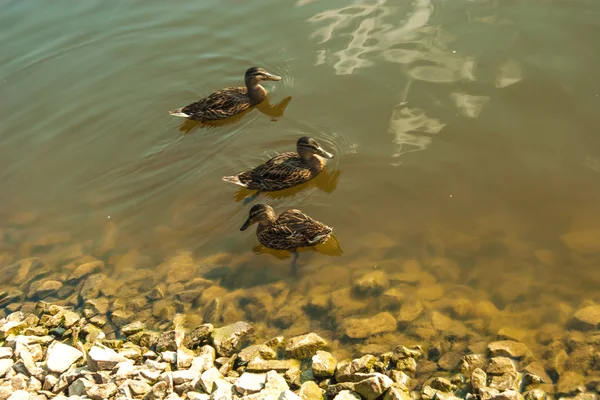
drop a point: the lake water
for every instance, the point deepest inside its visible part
(465, 136)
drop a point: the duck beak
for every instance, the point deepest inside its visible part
(246, 225)
(271, 77)
(323, 153)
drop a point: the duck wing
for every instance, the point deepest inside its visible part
(220, 104)
(294, 229)
(280, 172)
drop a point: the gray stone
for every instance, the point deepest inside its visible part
(323, 364)
(310, 391)
(374, 386)
(274, 385)
(138, 387)
(184, 376)
(102, 391)
(260, 365)
(259, 350)
(5, 365)
(478, 379)
(501, 365)
(361, 328)
(133, 328)
(372, 283)
(184, 358)
(250, 383)
(61, 356)
(79, 387)
(169, 356)
(289, 395)
(212, 379)
(347, 395)
(170, 340)
(204, 360)
(103, 358)
(304, 346)
(228, 339)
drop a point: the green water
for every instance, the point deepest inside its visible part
(463, 131)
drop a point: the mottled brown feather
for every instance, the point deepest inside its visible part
(281, 172)
(220, 104)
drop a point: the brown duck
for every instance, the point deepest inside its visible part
(285, 170)
(230, 101)
(289, 231)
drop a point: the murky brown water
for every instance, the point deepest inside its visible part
(465, 136)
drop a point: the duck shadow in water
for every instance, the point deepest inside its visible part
(274, 111)
(326, 181)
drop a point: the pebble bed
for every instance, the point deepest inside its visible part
(55, 352)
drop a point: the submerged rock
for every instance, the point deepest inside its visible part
(588, 318)
(198, 336)
(410, 310)
(360, 328)
(304, 346)
(509, 348)
(228, 339)
(372, 283)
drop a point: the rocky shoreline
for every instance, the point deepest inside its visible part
(54, 352)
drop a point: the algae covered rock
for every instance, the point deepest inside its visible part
(323, 364)
(372, 283)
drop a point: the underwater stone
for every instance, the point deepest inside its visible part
(360, 328)
(500, 365)
(410, 310)
(372, 283)
(588, 318)
(508, 348)
(229, 338)
(198, 336)
(86, 269)
(304, 346)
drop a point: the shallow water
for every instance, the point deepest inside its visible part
(464, 134)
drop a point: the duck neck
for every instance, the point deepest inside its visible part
(256, 92)
(312, 160)
(267, 220)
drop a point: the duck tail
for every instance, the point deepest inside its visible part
(178, 113)
(235, 180)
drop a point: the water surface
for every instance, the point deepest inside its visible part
(464, 133)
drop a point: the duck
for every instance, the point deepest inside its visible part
(289, 231)
(230, 101)
(285, 170)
